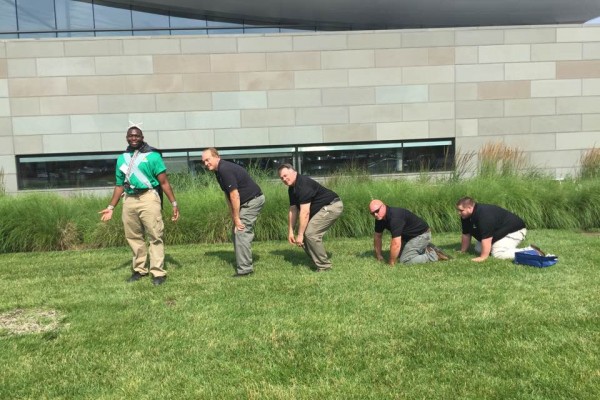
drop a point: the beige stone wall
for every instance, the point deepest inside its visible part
(533, 87)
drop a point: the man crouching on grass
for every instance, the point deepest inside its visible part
(411, 236)
(498, 231)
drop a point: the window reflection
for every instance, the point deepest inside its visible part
(62, 172)
(109, 16)
(36, 15)
(8, 16)
(146, 19)
(390, 158)
(71, 18)
(75, 15)
(97, 170)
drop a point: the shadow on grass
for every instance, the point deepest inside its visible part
(169, 260)
(229, 257)
(297, 258)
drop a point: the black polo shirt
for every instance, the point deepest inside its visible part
(401, 222)
(492, 221)
(306, 190)
(231, 176)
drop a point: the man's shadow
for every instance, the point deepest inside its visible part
(297, 258)
(229, 257)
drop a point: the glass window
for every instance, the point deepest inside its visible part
(224, 26)
(176, 161)
(108, 16)
(75, 15)
(379, 158)
(145, 19)
(8, 16)
(48, 172)
(97, 170)
(428, 156)
(36, 15)
(260, 27)
(261, 30)
(185, 22)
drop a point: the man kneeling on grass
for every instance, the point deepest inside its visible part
(498, 232)
(411, 236)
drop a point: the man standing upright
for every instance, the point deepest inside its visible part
(411, 236)
(139, 175)
(245, 201)
(316, 208)
(498, 232)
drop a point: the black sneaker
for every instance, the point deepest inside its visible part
(158, 280)
(440, 253)
(136, 276)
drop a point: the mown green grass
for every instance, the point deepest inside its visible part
(453, 329)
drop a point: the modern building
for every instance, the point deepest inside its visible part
(390, 87)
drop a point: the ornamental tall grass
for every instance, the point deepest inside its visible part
(40, 222)
(498, 159)
(2, 187)
(590, 164)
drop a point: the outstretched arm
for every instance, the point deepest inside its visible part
(108, 211)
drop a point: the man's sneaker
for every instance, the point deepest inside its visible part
(323, 269)
(136, 276)
(159, 280)
(538, 250)
(440, 253)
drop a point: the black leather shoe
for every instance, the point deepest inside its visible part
(236, 275)
(136, 276)
(158, 280)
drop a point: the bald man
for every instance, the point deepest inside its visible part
(245, 201)
(411, 236)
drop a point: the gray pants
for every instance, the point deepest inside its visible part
(317, 227)
(414, 250)
(242, 240)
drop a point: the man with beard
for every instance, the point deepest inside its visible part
(498, 231)
(140, 175)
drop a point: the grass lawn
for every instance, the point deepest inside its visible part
(446, 330)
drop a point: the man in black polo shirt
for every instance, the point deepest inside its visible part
(315, 208)
(498, 232)
(245, 201)
(411, 236)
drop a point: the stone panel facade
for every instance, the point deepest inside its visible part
(535, 87)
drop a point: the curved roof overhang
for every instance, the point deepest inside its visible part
(389, 14)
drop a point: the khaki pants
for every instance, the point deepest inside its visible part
(505, 248)
(317, 227)
(142, 217)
